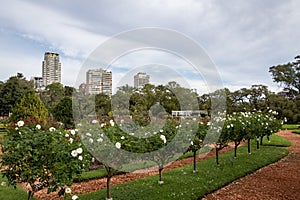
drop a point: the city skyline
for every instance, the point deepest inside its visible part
(243, 39)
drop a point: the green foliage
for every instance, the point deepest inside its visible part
(63, 112)
(69, 91)
(33, 154)
(288, 75)
(102, 105)
(12, 91)
(52, 95)
(30, 105)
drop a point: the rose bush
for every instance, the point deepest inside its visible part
(42, 155)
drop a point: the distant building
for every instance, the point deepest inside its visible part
(141, 79)
(38, 83)
(189, 113)
(98, 81)
(51, 69)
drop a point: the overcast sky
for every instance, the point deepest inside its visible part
(242, 38)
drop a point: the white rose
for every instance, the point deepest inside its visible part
(73, 132)
(38, 127)
(74, 153)
(118, 145)
(20, 123)
(79, 150)
(68, 190)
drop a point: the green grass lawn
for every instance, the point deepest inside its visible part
(181, 183)
(276, 140)
(9, 193)
(290, 126)
(293, 127)
(296, 131)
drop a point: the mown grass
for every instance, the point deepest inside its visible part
(9, 193)
(276, 140)
(290, 126)
(181, 183)
(93, 174)
(296, 131)
(293, 127)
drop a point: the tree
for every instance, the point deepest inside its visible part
(42, 157)
(63, 112)
(288, 75)
(236, 125)
(52, 95)
(223, 140)
(69, 91)
(12, 91)
(29, 106)
(126, 89)
(102, 105)
(197, 143)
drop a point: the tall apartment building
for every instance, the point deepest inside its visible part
(37, 82)
(51, 69)
(99, 81)
(140, 79)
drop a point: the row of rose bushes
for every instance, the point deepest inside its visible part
(118, 145)
(45, 155)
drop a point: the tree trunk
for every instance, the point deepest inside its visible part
(235, 149)
(160, 175)
(257, 143)
(109, 175)
(249, 150)
(30, 195)
(108, 187)
(261, 140)
(195, 167)
(217, 156)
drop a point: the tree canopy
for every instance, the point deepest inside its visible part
(288, 75)
(29, 106)
(12, 91)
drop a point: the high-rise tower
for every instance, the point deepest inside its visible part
(51, 69)
(140, 79)
(99, 81)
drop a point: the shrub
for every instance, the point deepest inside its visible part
(42, 157)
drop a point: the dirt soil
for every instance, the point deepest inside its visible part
(280, 180)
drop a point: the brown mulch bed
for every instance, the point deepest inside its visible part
(280, 180)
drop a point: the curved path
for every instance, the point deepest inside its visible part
(280, 180)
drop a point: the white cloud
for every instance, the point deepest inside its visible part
(243, 38)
